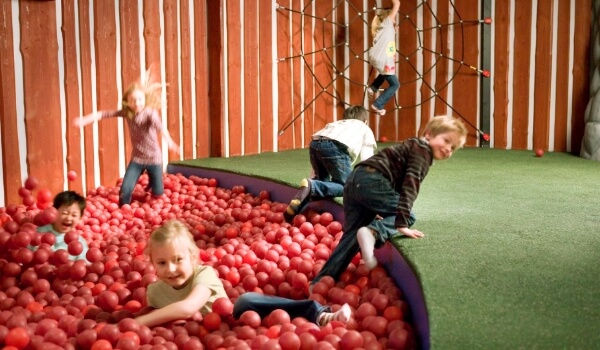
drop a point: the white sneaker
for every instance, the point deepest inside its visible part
(378, 111)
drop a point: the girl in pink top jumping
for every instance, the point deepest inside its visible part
(140, 104)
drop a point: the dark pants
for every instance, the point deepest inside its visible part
(265, 304)
(332, 166)
(367, 193)
(133, 173)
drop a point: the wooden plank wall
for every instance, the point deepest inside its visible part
(247, 76)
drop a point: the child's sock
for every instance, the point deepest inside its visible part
(298, 202)
(342, 315)
(366, 241)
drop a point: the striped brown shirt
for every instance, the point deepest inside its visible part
(406, 166)
(143, 131)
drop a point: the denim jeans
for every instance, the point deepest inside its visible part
(265, 304)
(332, 166)
(367, 193)
(132, 174)
(388, 93)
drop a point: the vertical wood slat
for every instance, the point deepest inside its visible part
(42, 105)
(520, 79)
(187, 144)
(171, 38)
(581, 79)
(465, 84)
(71, 87)
(425, 93)
(202, 126)
(407, 93)
(234, 84)
(323, 72)
(543, 74)
(357, 39)
(300, 138)
(340, 35)
(266, 62)
(500, 73)
(130, 58)
(562, 78)
(106, 89)
(309, 89)
(214, 10)
(85, 62)
(11, 163)
(443, 64)
(284, 78)
(251, 86)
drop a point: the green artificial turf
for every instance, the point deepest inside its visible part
(511, 254)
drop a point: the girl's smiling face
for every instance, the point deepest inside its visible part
(136, 101)
(173, 263)
(444, 144)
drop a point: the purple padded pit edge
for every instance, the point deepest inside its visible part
(388, 255)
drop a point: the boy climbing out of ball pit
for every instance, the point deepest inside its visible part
(187, 290)
(141, 102)
(380, 192)
(70, 207)
(333, 150)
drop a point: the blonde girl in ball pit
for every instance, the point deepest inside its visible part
(141, 102)
(187, 290)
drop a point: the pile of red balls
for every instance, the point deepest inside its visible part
(48, 302)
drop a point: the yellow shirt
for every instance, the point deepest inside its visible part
(160, 294)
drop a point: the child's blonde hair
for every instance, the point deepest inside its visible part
(380, 15)
(444, 123)
(356, 112)
(172, 232)
(151, 90)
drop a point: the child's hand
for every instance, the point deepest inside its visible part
(411, 233)
(197, 317)
(78, 122)
(174, 147)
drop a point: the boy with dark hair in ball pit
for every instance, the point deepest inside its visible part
(187, 290)
(70, 206)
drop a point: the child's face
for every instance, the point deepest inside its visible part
(173, 263)
(444, 144)
(68, 217)
(136, 100)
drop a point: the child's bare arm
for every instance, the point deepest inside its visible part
(179, 310)
(395, 9)
(172, 145)
(88, 119)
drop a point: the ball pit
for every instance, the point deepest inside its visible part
(48, 301)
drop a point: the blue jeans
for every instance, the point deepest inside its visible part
(388, 93)
(265, 304)
(132, 174)
(367, 193)
(331, 164)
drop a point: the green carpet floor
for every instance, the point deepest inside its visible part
(511, 256)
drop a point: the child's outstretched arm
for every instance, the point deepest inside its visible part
(178, 310)
(88, 119)
(172, 145)
(394, 10)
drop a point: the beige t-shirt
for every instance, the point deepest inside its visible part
(160, 294)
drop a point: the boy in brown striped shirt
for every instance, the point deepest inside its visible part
(380, 192)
